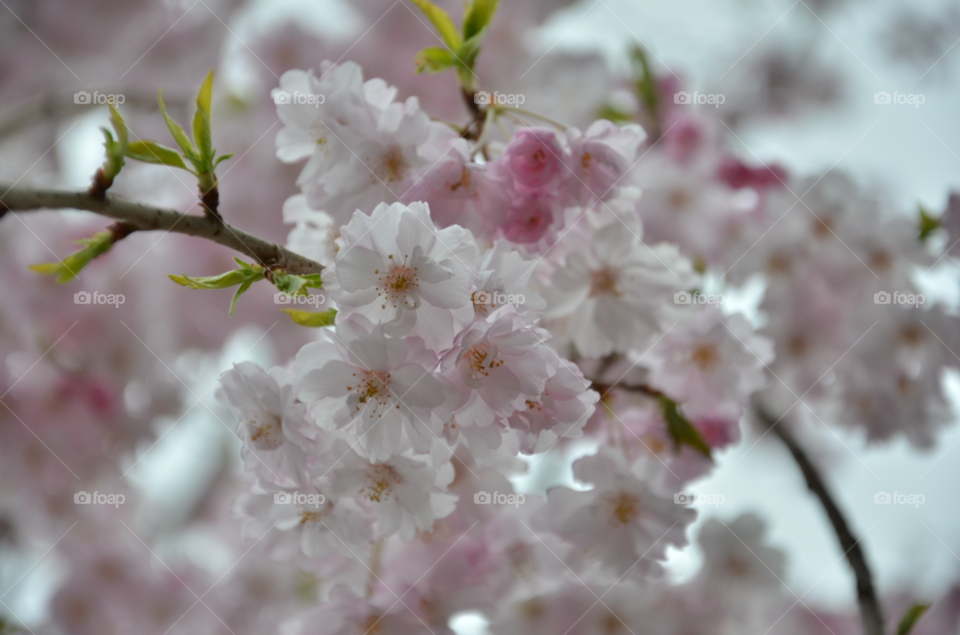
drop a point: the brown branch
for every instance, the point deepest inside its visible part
(474, 129)
(140, 217)
(870, 611)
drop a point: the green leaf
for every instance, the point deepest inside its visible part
(120, 126)
(614, 114)
(928, 223)
(178, 134)
(467, 52)
(97, 245)
(313, 319)
(296, 285)
(202, 135)
(478, 16)
(221, 159)
(153, 152)
(645, 82)
(114, 147)
(911, 617)
(246, 284)
(681, 431)
(434, 59)
(243, 278)
(224, 280)
(441, 21)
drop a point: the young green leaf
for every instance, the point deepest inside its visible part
(66, 270)
(478, 16)
(221, 159)
(681, 431)
(120, 126)
(614, 114)
(202, 135)
(224, 280)
(114, 150)
(911, 617)
(442, 22)
(243, 278)
(296, 285)
(178, 134)
(153, 152)
(434, 59)
(928, 223)
(246, 284)
(468, 52)
(313, 319)
(645, 81)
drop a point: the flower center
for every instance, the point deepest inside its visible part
(604, 282)
(464, 182)
(705, 356)
(480, 360)
(265, 431)
(397, 286)
(373, 389)
(307, 516)
(391, 166)
(381, 480)
(623, 508)
(678, 199)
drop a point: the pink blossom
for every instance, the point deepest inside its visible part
(534, 158)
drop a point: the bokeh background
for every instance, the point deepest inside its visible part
(799, 80)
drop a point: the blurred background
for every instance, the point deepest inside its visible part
(803, 84)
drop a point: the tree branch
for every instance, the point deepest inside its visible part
(870, 611)
(147, 218)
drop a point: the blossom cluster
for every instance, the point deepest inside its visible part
(421, 397)
(517, 392)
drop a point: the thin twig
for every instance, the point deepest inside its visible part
(870, 610)
(148, 218)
